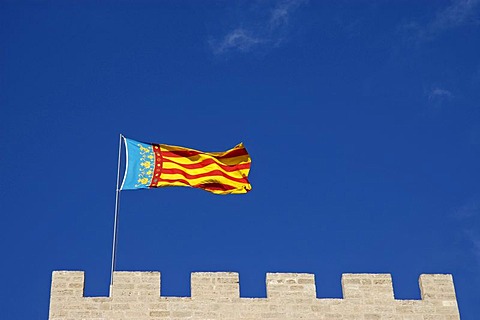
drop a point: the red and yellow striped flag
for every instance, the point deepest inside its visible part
(160, 165)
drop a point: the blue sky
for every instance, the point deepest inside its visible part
(362, 119)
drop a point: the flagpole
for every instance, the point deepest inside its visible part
(117, 208)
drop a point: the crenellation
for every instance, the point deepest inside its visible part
(137, 284)
(290, 285)
(207, 285)
(215, 296)
(437, 287)
(367, 287)
(67, 284)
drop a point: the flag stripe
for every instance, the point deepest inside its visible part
(239, 173)
(186, 153)
(215, 187)
(203, 175)
(212, 186)
(171, 177)
(206, 162)
(199, 158)
(166, 147)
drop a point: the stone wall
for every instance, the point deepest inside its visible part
(216, 295)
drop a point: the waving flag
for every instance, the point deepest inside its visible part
(152, 165)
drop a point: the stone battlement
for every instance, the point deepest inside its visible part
(216, 295)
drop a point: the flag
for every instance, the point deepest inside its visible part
(152, 165)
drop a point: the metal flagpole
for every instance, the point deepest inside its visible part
(117, 207)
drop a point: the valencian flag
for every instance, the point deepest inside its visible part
(152, 165)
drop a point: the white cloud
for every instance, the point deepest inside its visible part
(439, 94)
(237, 39)
(438, 97)
(458, 13)
(282, 11)
(469, 216)
(474, 239)
(263, 33)
(468, 210)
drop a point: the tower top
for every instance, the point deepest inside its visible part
(216, 295)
